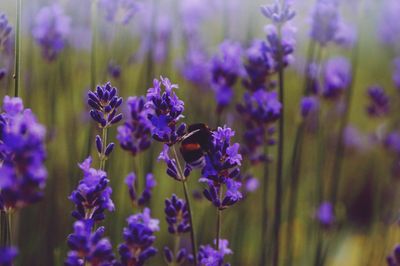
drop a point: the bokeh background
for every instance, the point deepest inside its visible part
(154, 43)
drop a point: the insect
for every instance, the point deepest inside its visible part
(196, 143)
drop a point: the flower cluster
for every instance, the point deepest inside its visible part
(7, 255)
(139, 238)
(309, 105)
(119, 11)
(325, 21)
(22, 154)
(196, 67)
(135, 134)
(177, 217)
(208, 256)
(325, 214)
(105, 102)
(165, 111)
(389, 29)
(93, 195)
(337, 77)
(51, 30)
(394, 258)
(145, 197)
(379, 102)
(259, 110)
(88, 247)
(172, 167)
(278, 13)
(225, 70)
(222, 169)
(5, 31)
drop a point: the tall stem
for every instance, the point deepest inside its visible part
(264, 217)
(219, 214)
(5, 239)
(279, 172)
(187, 198)
(17, 63)
(103, 157)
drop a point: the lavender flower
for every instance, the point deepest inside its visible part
(325, 21)
(88, 247)
(325, 215)
(259, 110)
(165, 111)
(308, 106)
(278, 13)
(119, 11)
(134, 134)
(394, 258)
(389, 28)
(221, 169)
(51, 29)
(114, 70)
(22, 155)
(7, 255)
(226, 68)
(105, 102)
(396, 72)
(145, 197)
(93, 195)
(5, 31)
(379, 102)
(196, 67)
(208, 256)
(139, 238)
(337, 77)
(172, 167)
(177, 215)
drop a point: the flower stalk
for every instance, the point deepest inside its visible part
(17, 58)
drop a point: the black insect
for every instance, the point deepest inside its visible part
(196, 143)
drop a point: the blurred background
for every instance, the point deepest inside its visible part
(131, 47)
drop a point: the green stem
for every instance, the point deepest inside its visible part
(17, 63)
(5, 239)
(103, 157)
(264, 217)
(219, 222)
(187, 198)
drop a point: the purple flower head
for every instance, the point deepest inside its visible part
(337, 77)
(394, 258)
(51, 30)
(308, 106)
(379, 102)
(392, 142)
(278, 48)
(324, 21)
(89, 247)
(135, 134)
(172, 167)
(145, 197)
(7, 255)
(196, 67)
(5, 31)
(226, 67)
(165, 110)
(93, 195)
(396, 72)
(177, 215)
(104, 102)
(325, 214)
(208, 256)
(114, 70)
(138, 239)
(389, 28)
(22, 155)
(221, 168)
(278, 13)
(119, 11)
(346, 35)
(3, 73)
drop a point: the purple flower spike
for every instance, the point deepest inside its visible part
(135, 134)
(221, 169)
(93, 195)
(379, 102)
(337, 77)
(394, 258)
(325, 214)
(165, 110)
(5, 31)
(145, 197)
(51, 30)
(177, 215)
(226, 68)
(119, 11)
(22, 154)
(7, 256)
(396, 72)
(139, 238)
(278, 13)
(89, 247)
(104, 102)
(324, 21)
(208, 256)
(308, 106)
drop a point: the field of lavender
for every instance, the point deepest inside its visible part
(199, 132)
